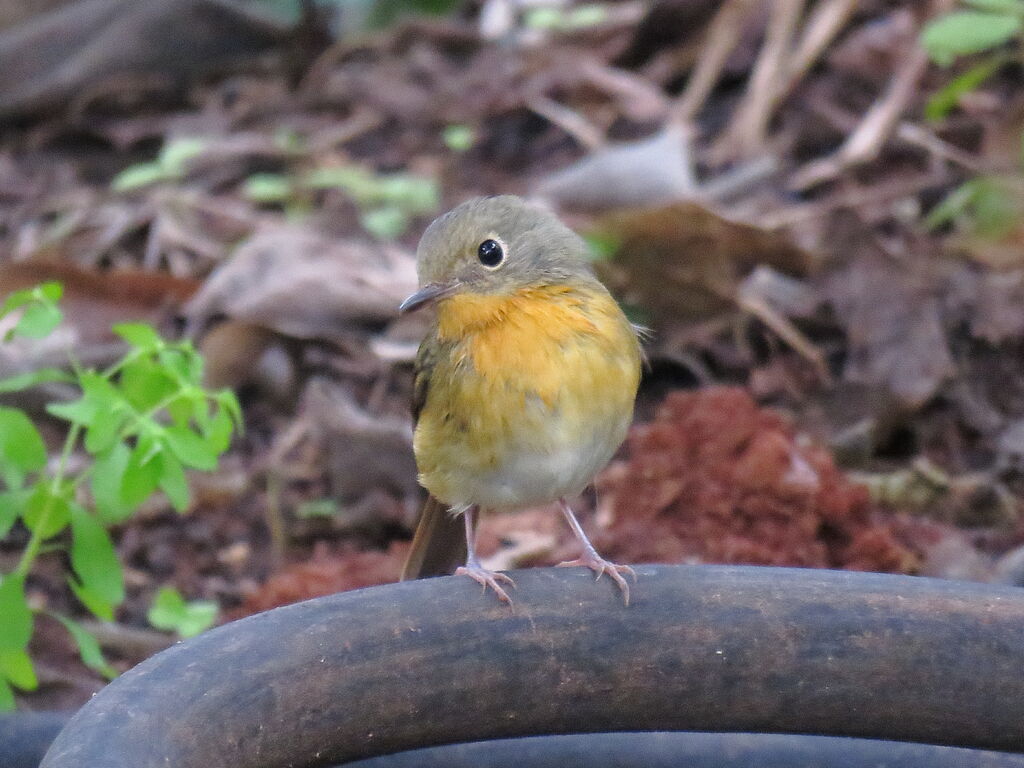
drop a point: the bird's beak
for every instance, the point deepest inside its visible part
(428, 294)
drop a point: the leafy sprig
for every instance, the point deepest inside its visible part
(142, 421)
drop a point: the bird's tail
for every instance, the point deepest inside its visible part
(439, 544)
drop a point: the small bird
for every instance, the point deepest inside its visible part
(525, 381)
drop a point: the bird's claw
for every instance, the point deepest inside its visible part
(487, 579)
(600, 566)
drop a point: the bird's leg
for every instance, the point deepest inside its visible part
(474, 570)
(591, 559)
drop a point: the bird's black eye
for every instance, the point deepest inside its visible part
(490, 253)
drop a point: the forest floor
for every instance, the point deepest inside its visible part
(834, 379)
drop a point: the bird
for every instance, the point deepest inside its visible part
(524, 384)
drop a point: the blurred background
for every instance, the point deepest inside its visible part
(814, 205)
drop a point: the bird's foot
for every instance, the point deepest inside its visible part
(487, 578)
(600, 566)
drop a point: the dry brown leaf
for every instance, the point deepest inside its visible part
(304, 284)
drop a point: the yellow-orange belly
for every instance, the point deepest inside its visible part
(529, 396)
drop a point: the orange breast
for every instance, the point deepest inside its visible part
(532, 395)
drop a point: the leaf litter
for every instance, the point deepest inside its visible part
(755, 179)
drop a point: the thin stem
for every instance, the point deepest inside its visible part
(35, 542)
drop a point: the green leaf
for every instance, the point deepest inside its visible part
(998, 6)
(140, 476)
(28, 380)
(139, 335)
(12, 503)
(16, 666)
(146, 384)
(170, 612)
(41, 315)
(97, 606)
(458, 138)
(50, 291)
(98, 396)
(38, 321)
(385, 223)
(317, 508)
(21, 448)
(191, 449)
(17, 300)
(6, 696)
(94, 558)
(199, 616)
(137, 176)
(177, 153)
(218, 431)
(226, 398)
(107, 477)
(967, 32)
(104, 430)
(173, 482)
(16, 628)
(945, 100)
(184, 362)
(47, 512)
(88, 648)
(81, 411)
(268, 188)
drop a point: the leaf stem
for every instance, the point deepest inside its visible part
(35, 542)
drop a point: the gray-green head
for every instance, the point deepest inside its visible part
(495, 245)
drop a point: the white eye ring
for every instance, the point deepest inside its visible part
(492, 252)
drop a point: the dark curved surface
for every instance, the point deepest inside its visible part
(691, 750)
(24, 736)
(707, 648)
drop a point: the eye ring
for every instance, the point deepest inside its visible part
(491, 253)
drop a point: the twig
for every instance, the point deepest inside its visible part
(867, 141)
(570, 121)
(745, 136)
(131, 642)
(788, 332)
(825, 22)
(723, 35)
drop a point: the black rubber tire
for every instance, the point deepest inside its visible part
(691, 750)
(25, 736)
(710, 648)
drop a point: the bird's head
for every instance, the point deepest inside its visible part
(495, 246)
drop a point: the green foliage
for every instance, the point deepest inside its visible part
(968, 32)
(318, 508)
(458, 138)
(387, 202)
(39, 312)
(565, 19)
(170, 165)
(170, 612)
(943, 102)
(985, 29)
(140, 422)
(989, 206)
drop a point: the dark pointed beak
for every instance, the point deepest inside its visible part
(428, 294)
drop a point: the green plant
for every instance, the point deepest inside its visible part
(171, 612)
(170, 165)
(985, 29)
(141, 422)
(387, 202)
(990, 205)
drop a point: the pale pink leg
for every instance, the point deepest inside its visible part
(591, 559)
(477, 572)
